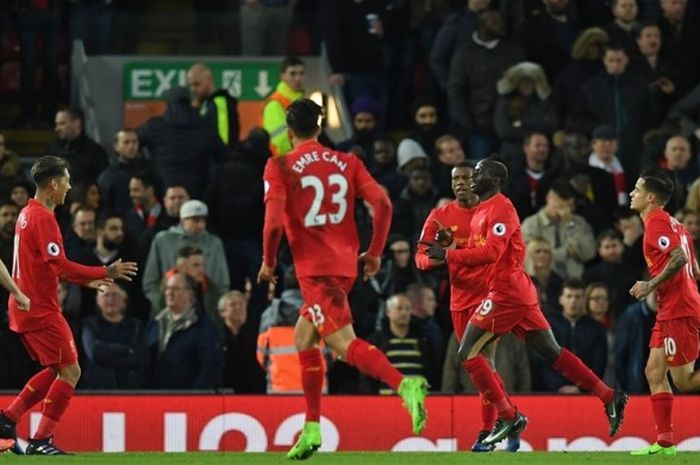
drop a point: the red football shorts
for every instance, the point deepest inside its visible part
(460, 319)
(678, 338)
(502, 318)
(326, 302)
(52, 346)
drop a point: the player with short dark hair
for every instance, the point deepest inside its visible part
(450, 226)
(39, 262)
(511, 305)
(670, 256)
(310, 195)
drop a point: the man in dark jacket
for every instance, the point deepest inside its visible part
(114, 181)
(471, 88)
(235, 200)
(87, 159)
(183, 341)
(632, 335)
(183, 147)
(218, 107)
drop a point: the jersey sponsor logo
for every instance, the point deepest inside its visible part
(499, 229)
(53, 249)
(664, 242)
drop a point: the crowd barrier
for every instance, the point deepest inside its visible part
(180, 423)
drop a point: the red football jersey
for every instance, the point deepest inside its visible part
(39, 261)
(497, 250)
(319, 186)
(678, 297)
(467, 286)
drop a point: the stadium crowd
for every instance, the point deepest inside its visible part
(577, 96)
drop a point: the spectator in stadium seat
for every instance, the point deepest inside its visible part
(424, 305)
(385, 168)
(218, 107)
(8, 219)
(532, 174)
(586, 54)
(538, 264)
(604, 144)
(474, 69)
(577, 332)
(241, 372)
(512, 364)
(274, 113)
(632, 334)
(449, 152)
(597, 303)
(114, 180)
(624, 26)
(619, 99)
(523, 106)
(611, 270)
(688, 218)
(87, 159)
(146, 217)
(21, 192)
(680, 36)
(184, 345)
(677, 163)
(406, 346)
(10, 168)
(190, 261)
(456, 30)
(175, 196)
(628, 222)
(183, 147)
(569, 234)
(425, 124)
(264, 26)
(192, 230)
(114, 344)
(82, 233)
(410, 155)
(548, 36)
(398, 270)
(365, 124)
(236, 213)
(415, 202)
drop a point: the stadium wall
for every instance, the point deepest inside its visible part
(179, 423)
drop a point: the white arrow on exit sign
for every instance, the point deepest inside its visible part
(263, 87)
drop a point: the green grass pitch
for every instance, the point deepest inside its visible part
(360, 458)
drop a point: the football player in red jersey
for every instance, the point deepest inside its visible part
(450, 226)
(497, 248)
(668, 250)
(310, 196)
(39, 261)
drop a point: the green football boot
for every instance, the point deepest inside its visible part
(308, 443)
(413, 390)
(656, 449)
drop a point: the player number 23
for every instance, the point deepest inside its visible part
(317, 316)
(313, 217)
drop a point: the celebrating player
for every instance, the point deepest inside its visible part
(314, 190)
(467, 286)
(39, 262)
(668, 250)
(496, 246)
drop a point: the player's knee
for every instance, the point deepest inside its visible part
(654, 374)
(70, 374)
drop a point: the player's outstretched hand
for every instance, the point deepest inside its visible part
(641, 289)
(100, 284)
(372, 265)
(267, 274)
(122, 270)
(22, 301)
(434, 250)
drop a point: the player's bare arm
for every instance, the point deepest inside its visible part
(122, 270)
(7, 282)
(676, 261)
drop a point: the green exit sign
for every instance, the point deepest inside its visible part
(148, 80)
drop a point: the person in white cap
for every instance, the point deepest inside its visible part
(192, 230)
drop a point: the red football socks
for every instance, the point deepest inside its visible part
(485, 381)
(371, 361)
(55, 405)
(34, 391)
(573, 369)
(662, 405)
(488, 414)
(312, 374)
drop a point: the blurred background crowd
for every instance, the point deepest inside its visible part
(577, 96)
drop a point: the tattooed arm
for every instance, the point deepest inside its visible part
(677, 260)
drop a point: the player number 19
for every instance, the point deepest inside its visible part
(313, 218)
